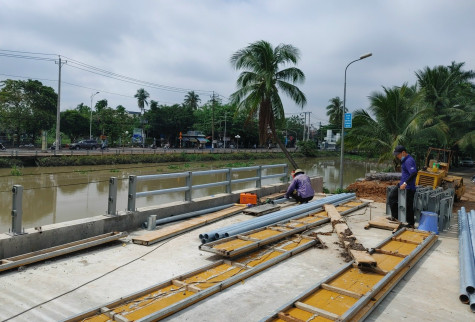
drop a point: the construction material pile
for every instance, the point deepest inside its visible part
(271, 218)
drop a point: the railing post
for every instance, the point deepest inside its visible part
(132, 193)
(17, 209)
(112, 201)
(228, 179)
(188, 184)
(286, 171)
(259, 174)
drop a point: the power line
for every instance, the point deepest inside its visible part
(99, 71)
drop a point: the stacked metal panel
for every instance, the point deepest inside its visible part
(467, 257)
(271, 218)
(437, 200)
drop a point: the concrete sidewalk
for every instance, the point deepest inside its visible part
(72, 284)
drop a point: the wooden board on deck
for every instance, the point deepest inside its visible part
(175, 229)
(273, 196)
(261, 210)
(383, 223)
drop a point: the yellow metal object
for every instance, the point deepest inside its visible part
(350, 294)
(176, 294)
(435, 174)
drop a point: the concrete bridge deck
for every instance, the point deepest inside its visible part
(64, 286)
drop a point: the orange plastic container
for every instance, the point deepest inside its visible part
(248, 198)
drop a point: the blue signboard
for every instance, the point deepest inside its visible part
(348, 121)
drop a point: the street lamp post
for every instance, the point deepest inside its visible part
(237, 141)
(343, 118)
(90, 119)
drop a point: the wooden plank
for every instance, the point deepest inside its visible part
(380, 251)
(287, 317)
(363, 257)
(60, 250)
(383, 223)
(316, 310)
(341, 291)
(271, 197)
(332, 213)
(175, 229)
(261, 210)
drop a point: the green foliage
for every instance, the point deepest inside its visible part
(76, 160)
(339, 190)
(325, 190)
(262, 81)
(308, 148)
(9, 163)
(16, 171)
(26, 108)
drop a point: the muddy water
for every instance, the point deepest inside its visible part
(53, 195)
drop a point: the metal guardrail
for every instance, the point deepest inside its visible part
(188, 187)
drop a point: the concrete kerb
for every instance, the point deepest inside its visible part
(66, 232)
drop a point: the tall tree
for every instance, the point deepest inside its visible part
(449, 95)
(395, 121)
(142, 95)
(260, 82)
(191, 100)
(334, 112)
(26, 107)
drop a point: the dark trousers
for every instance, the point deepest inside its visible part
(300, 199)
(393, 204)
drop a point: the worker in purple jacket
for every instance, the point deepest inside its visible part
(300, 188)
(407, 182)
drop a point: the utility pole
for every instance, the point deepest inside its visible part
(308, 128)
(224, 139)
(212, 120)
(58, 106)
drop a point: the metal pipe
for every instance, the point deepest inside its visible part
(219, 233)
(466, 256)
(272, 217)
(187, 215)
(232, 232)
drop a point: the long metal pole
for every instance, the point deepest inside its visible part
(224, 139)
(90, 119)
(58, 108)
(342, 140)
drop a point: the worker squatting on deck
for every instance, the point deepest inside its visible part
(300, 188)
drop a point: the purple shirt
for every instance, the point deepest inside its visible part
(408, 169)
(302, 184)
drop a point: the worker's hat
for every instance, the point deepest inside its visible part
(297, 171)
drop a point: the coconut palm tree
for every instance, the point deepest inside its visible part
(391, 120)
(191, 100)
(334, 111)
(449, 95)
(141, 97)
(260, 82)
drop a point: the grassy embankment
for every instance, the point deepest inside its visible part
(112, 159)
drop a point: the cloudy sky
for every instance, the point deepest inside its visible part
(181, 45)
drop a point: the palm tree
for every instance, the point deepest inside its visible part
(191, 100)
(141, 97)
(395, 121)
(260, 82)
(449, 95)
(334, 112)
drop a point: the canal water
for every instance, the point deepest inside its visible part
(53, 195)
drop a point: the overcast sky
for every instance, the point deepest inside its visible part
(182, 45)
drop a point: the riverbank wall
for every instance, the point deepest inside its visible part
(39, 238)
